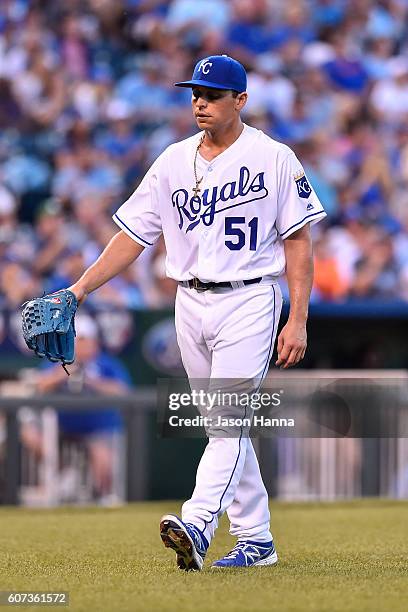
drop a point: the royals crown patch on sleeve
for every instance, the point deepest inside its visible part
(303, 188)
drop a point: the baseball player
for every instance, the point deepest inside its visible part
(234, 207)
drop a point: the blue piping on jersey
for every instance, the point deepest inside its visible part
(319, 212)
(241, 432)
(131, 231)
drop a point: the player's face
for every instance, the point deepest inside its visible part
(215, 107)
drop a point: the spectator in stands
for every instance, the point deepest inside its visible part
(53, 237)
(73, 48)
(190, 18)
(299, 126)
(17, 285)
(345, 71)
(377, 57)
(295, 23)
(249, 32)
(389, 97)
(328, 280)
(11, 114)
(270, 90)
(376, 273)
(120, 140)
(94, 371)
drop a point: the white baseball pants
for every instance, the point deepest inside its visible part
(228, 335)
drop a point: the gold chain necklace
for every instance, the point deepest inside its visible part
(198, 181)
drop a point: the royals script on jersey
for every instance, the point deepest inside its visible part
(253, 196)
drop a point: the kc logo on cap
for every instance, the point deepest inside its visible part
(204, 66)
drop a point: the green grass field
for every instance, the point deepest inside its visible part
(334, 557)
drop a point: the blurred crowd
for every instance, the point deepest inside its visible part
(87, 103)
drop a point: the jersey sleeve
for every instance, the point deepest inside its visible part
(298, 203)
(139, 216)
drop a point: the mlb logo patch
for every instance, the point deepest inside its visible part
(55, 300)
(303, 188)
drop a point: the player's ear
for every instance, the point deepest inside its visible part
(241, 100)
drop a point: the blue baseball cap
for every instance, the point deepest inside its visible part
(218, 72)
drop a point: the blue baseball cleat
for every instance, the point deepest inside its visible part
(186, 539)
(249, 554)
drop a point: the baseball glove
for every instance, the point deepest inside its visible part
(49, 326)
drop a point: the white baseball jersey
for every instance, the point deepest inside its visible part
(253, 196)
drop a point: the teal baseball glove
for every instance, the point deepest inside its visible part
(49, 326)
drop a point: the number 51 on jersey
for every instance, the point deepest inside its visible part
(238, 227)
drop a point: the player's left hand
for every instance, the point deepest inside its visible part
(292, 343)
